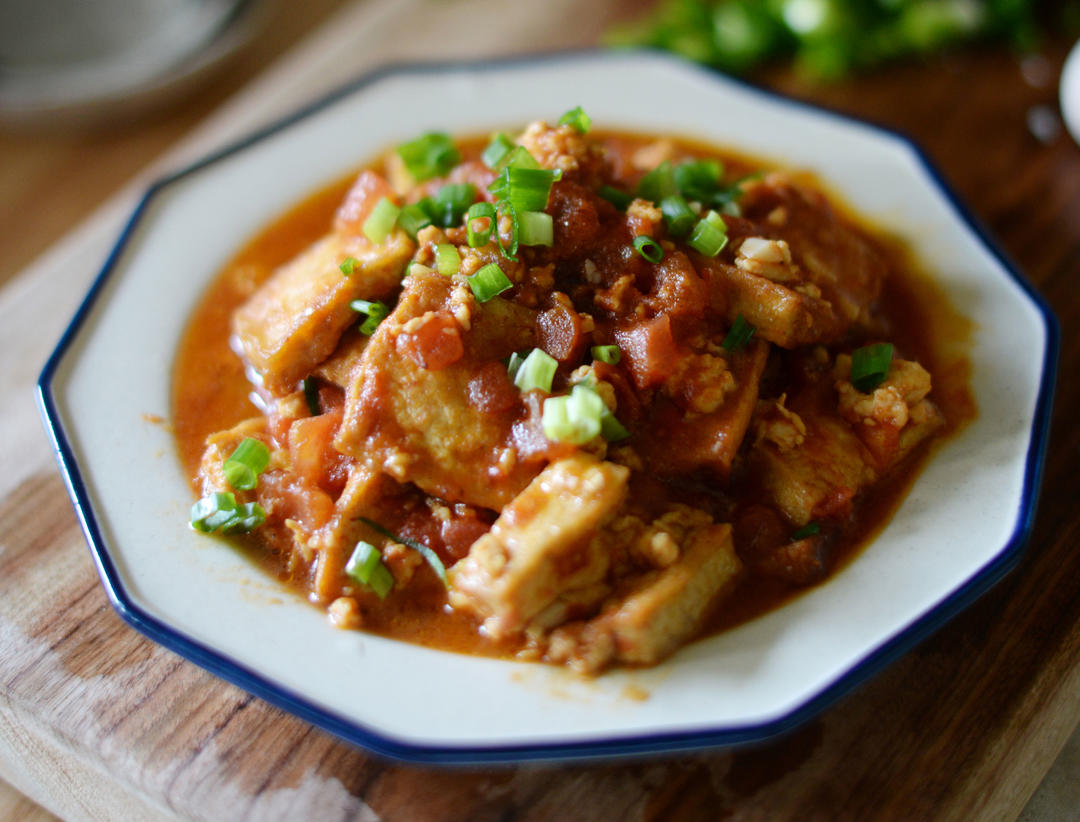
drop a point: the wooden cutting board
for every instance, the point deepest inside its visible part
(98, 723)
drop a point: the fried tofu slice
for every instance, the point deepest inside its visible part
(548, 541)
(295, 319)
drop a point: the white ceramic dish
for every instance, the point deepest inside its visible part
(959, 530)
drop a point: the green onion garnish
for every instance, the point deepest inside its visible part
(607, 353)
(479, 211)
(517, 157)
(311, 396)
(870, 366)
(610, 428)
(574, 417)
(429, 555)
(243, 467)
(808, 530)
(577, 118)
(348, 265)
(709, 235)
(414, 217)
(451, 203)
(738, 335)
(380, 222)
(619, 199)
(366, 567)
(488, 282)
(447, 259)
(678, 216)
(376, 312)
(698, 179)
(537, 228)
(658, 183)
(430, 155)
(526, 188)
(536, 371)
(513, 363)
(505, 207)
(648, 248)
(219, 512)
(498, 148)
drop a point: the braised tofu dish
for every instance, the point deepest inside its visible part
(564, 395)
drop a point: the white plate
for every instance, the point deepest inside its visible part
(961, 527)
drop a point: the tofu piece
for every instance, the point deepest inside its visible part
(547, 542)
(658, 611)
(295, 319)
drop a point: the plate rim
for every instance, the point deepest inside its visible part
(222, 665)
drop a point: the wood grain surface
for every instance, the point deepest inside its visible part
(98, 723)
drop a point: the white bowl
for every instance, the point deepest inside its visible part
(959, 530)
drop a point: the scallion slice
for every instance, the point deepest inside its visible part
(506, 208)
(709, 235)
(430, 155)
(537, 228)
(808, 530)
(607, 353)
(219, 512)
(738, 335)
(536, 371)
(366, 567)
(311, 396)
(243, 467)
(430, 556)
(348, 266)
(479, 211)
(870, 366)
(574, 418)
(527, 189)
(610, 428)
(412, 218)
(381, 220)
(619, 199)
(658, 183)
(517, 157)
(498, 148)
(678, 216)
(513, 363)
(698, 179)
(376, 312)
(488, 282)
(451, 203)
(648, 248)
(447, 259)
(577, 118)
(245, 519)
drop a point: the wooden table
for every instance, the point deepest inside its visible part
(98, 723)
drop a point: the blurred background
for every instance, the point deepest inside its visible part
(98, 96)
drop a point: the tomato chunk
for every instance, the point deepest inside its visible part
(650, 350)
(434, 343)
(368, 189)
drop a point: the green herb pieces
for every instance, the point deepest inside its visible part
(619, 199)
(366, 567)
(610, 354)
(658, 183)
(430, 155)
(648, 248)
(870, 366)
(488, 282)
(709, 235)
(430, 556)
(527, 189)
(577, 118)
(808, 530)
(573, 418)
(537, 228)
(451, 203)
(738, 335)
(678, 216)
(447, 259)
(243, 467)
(381, 221)
(218, 512)
(311, 396)
(348, 266)
(479, 211)
(376, 312)
(414, 217)
(536, 371)
(498, 148)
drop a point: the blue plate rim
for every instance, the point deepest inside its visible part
(645, 744)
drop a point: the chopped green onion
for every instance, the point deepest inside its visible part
(658, 183)
(245, 519)
(607, 353)
(698, 179)
(429, 555)
(870, 366)
(376, 312)
(447, 259)
(648, 248)
(678, 216)
(430, 155)
(537, 228)
(498, 148)
(574, 417)
(366, 567)
(709, 235)
(414, 217)
(619, 199)
(526, 188)
(380, 222)
(479, 211)
(218, 511)
(808, 530)
(513, 363)
(488, 282)
(243, 467)
(610, 428)
(536, 371)
(311, 396)
(577, 118)
(738, 335)
(451, 203)
(348, 265)
(506, 207)
(517, 157)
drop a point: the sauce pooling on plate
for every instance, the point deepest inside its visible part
(565, 395)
